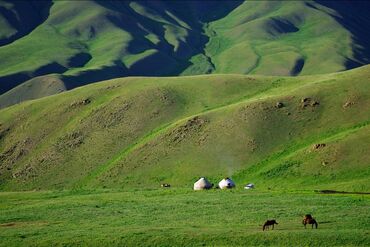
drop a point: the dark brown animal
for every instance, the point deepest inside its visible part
(308, 219)
(269, 223)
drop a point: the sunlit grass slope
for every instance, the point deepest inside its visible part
(307, 132)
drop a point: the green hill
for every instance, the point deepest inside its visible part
(280, 132)
(91, 41)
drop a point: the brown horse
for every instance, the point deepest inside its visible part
(269, 223)
(308, 219)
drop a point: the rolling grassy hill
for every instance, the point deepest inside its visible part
(307, 132)
(56, 46)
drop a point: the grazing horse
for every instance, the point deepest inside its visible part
(269, 223)
(308, 219)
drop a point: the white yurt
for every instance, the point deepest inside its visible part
(202, 184)
(226, 183)
(249, 186)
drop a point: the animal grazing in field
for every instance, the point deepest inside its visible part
(308, 219)
(165, 185)
(269, 223)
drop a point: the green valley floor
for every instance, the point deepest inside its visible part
(181, 217)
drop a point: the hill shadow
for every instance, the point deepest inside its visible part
(95, 75)
(166, 62)
(194, 13)
(355, 17)
(9, 82)
(25, 16)
(298, 66)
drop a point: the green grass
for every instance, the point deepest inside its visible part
(26, 55)
(254, 24)
(296, 162)
(181, 217)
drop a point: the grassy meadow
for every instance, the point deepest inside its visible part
(181, 217)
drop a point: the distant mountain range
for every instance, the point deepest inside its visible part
(51, 46)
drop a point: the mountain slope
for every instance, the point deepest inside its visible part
(90, 41)
(139, 132)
